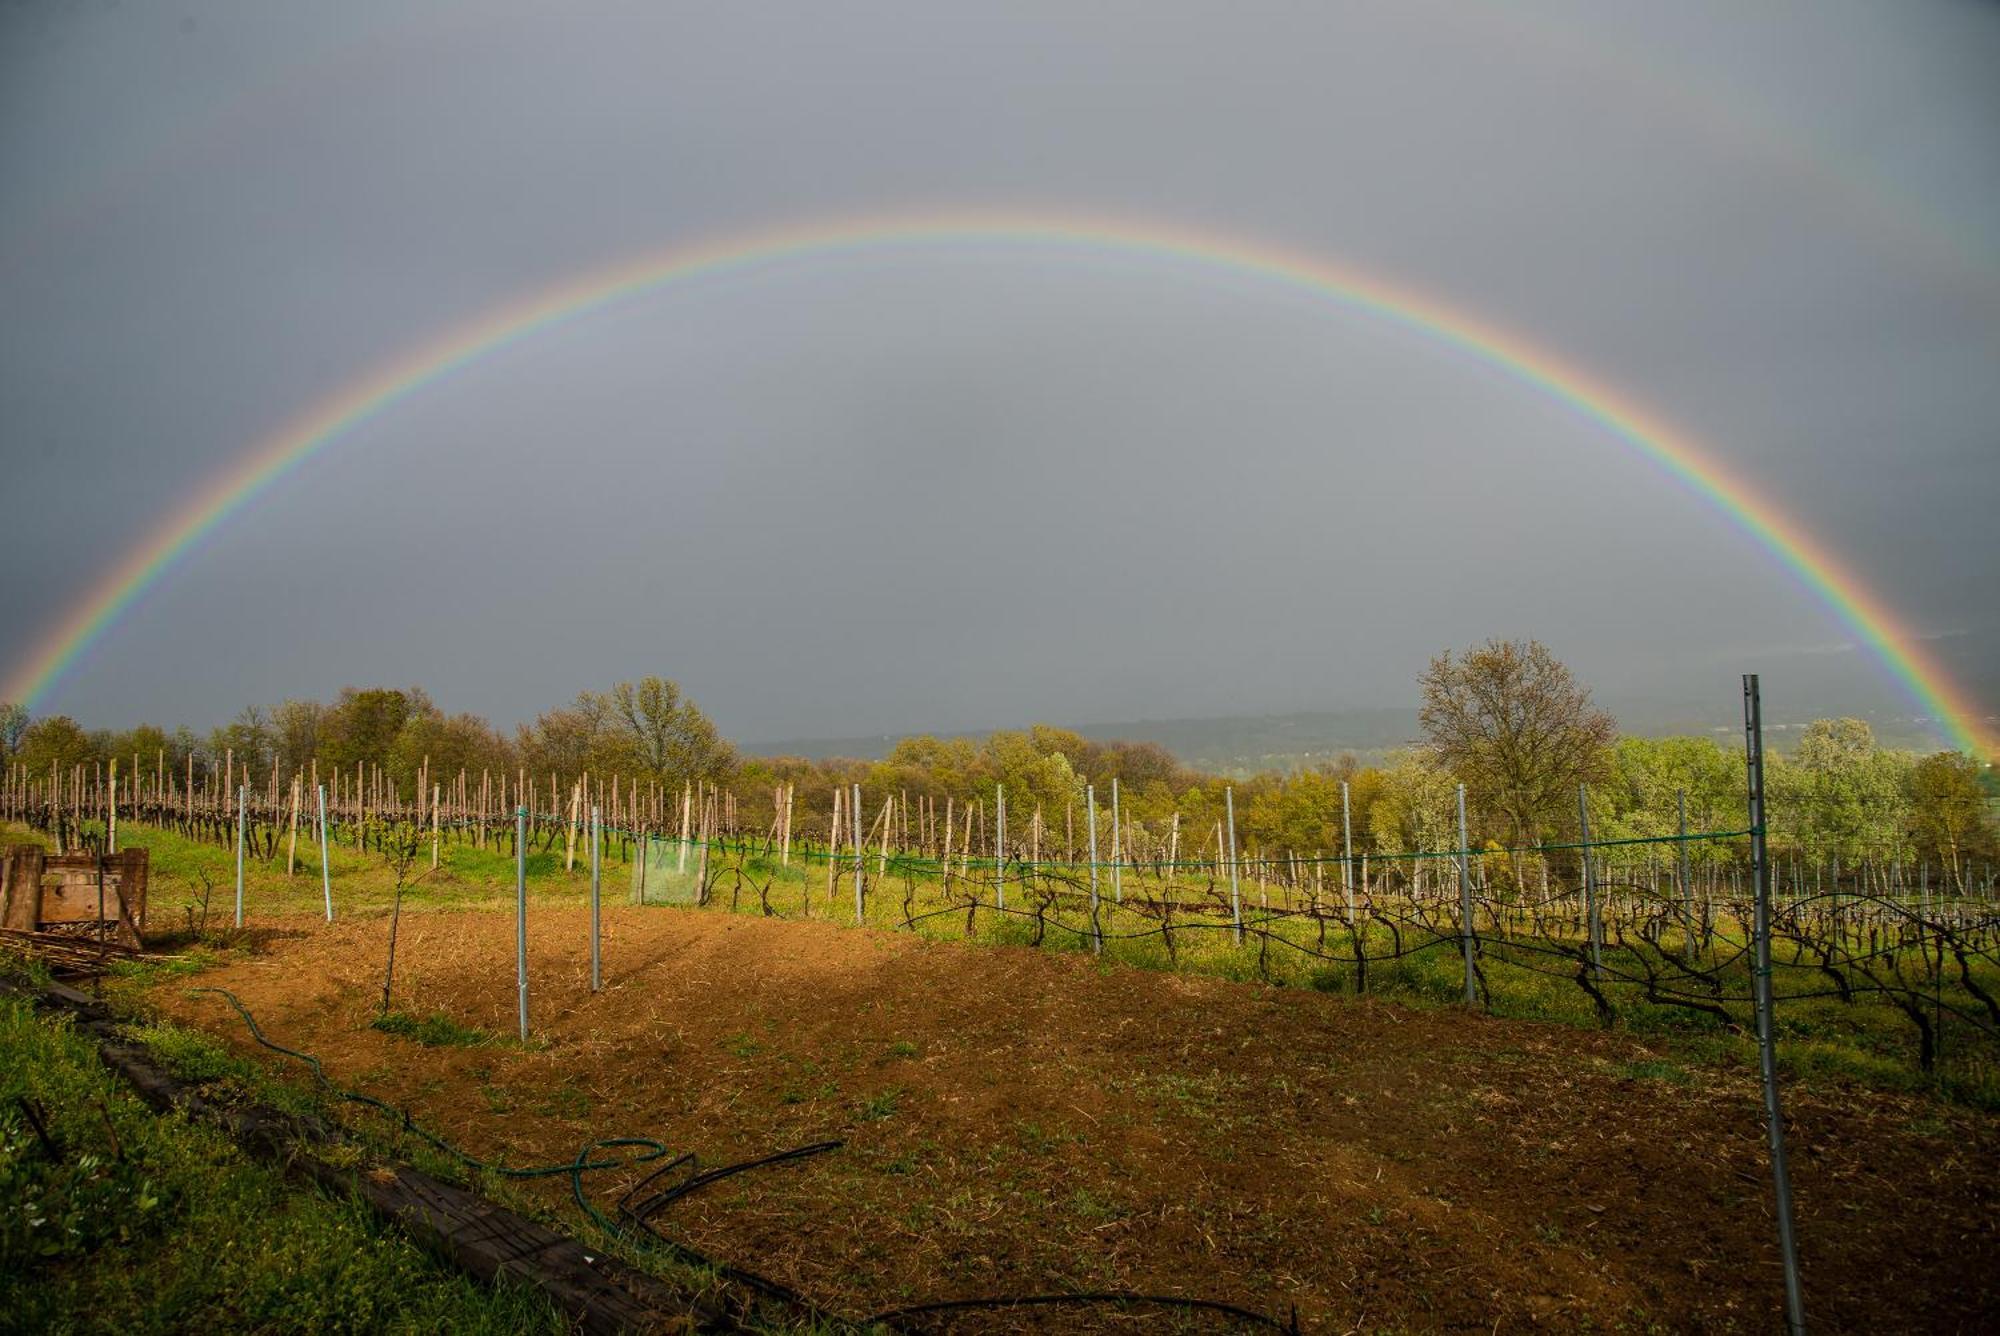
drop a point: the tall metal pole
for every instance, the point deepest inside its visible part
(1687, 882)
(521, 913)
(1465, 901)
(596, 955)
(242, 804)
(1592, 928)
(1096, 930)
(1774, 1121)
(1346, 851)
(999, 846)
(1235, 894)
(1117, 858)
(854, 824)
(325, 876)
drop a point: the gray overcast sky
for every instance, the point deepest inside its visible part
(960, 488)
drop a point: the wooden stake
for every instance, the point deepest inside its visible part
(292, 842)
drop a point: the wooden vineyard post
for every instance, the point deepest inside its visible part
(292, 839)
(854, 821)
(832, 855)
(1117, 857)
(569, 840)
(687, 800)
(786, 860)
(434, 827)
(704, 809)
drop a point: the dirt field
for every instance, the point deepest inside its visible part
(1022, 1122)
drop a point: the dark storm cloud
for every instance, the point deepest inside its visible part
(954, 489)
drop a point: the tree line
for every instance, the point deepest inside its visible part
(1506, 719)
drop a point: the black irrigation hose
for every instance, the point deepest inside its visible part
(695, 1182)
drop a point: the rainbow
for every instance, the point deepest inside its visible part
(1900, 652)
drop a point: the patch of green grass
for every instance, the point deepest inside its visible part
(564, 1101)
(1086, 1205)
(742, 1045)
(128, 1221)
(433, 1031)
(189, 1054)
(880, 1105)
(902, 1048)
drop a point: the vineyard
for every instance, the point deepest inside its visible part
(1107, 974)
(1650, 931)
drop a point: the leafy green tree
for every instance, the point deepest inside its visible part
(13, 723)
(666, 734)
(1514, 724)
(570, 739)
(361, 727)
(1638, 799)
(1841, 796)
(57, 741)
(1299, 815)
(1950, 813)
(449, 744)
(1415, 807)
(1036, 771)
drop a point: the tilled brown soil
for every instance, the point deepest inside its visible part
(1021, 1122)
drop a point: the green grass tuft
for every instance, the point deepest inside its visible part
(433, 1031)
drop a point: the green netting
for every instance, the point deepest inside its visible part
(666, 872)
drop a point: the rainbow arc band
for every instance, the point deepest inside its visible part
(1899, 651)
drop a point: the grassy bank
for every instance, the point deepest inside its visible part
(115, 1218)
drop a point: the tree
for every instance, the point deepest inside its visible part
(667, 735)
(248, 738)
(1841, 796)
(295, 729)
(57, 741)
(460, 742)
(569, 739)
(1512, 722)
(1413, 809)
(13, 723)
(361, 726)
(1951, 816)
